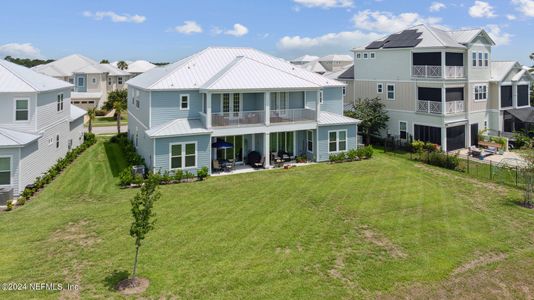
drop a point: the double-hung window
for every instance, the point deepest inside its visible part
(22, 110)
(119, 80)
(480, 59)
(474, 55)
(109, 80)
(358, 55)
(403, 131)
(183, 156)
(309, 137)
(337, 141)
(481, 92)
(60, 102)
(344, 90)
(365, 55)
(486, 59)
(184, 102)
(391, 91)
(57, 141)
(5, 170)
(81, 81)
(379, 88)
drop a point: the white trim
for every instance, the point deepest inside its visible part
(149, 109)
(475, 93)
(60, 99)
(394, 91)
(321, 97)
(337, 140)
(407, 132)
(15, 110)
(381, 87)
(188, 99)
(10, 170)
(183, 144)
(308, 140)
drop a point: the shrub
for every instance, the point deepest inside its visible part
(100, 112)
(430, 147)
(352, 154)
(126, 177)
(418, 146)
(21, 201)
(202, 173)
(521, 139)
(9, 205)
(337, 157)
(443, 160)
(89, 138)
(368, 151)
(27, 193)
(188, 175)
(178, 175)
(499, 140)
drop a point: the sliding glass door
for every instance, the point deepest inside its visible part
(235, 153)
(282, 141)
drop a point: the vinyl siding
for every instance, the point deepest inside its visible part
(145, 145)
(47, 113)
(141, 113)
(478, 73)
(311, 99)
(162, 156)
(478, 105)
(323, 139)
(76, 132)
(405, 94)
(333, 100)
(388, 65)
(166, 106)
(14, 154)
(7, 112)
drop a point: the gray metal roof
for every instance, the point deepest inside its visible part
(200, 68)
(178, 127)
(13, 138)
(328, 118)
(18, 79)
(524, 114)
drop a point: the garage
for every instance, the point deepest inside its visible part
(455, 138)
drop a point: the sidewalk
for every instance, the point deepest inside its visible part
(108, 129)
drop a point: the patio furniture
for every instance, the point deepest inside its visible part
(229, 165)
(491, 150)
(488, 145)
(474, 151)
(217, 166)
(260, 164)
(254, 159)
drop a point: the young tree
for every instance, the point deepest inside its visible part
(143, 216)
(372, 114)
(91, 113)
(117, 100)
(122, 65)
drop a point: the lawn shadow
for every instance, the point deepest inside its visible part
(114, 278)
(115, 159)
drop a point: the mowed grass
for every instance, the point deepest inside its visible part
(386, 227)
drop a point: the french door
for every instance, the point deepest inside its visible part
(232, 104)
(280, 102)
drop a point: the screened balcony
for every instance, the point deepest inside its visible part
(430, 65)
(430, 101)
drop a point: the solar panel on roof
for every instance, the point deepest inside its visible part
(375, 45)
(405, 39)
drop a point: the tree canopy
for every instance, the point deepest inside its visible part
(372, 114)
(29, 63)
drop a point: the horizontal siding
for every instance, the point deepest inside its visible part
(47, 113)
(323, 139)
(145, 144)
(405, 94)
(14, 154)
(333, 100)
(162, 155)
(143, 112)
(76, 132)
(7, 112)
(165, 106)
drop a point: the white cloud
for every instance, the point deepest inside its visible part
(526, 7)
(482, 9)
(16, 50)
(238, 30)
(436, 6)
(383, 21)
(511, 17)
(325, 3)
(114, 17)
(189, 27)
(328, 43)
(498, 36)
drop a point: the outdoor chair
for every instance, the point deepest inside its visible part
(216, 166)
(260, 164)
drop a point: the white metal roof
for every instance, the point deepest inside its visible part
(335, 74)
(315, 66)
(76, 112)
(178, 127)
(328, 118)
(138, 66)
(77, 63)
(499, 69)
(196, 70)
(85, 96)
(19, 79)
(305, 58)
(336, 57)
(12, 138)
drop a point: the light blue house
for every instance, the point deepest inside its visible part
(258, 103)
(38, 125)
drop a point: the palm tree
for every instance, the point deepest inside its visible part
(117, 100)
(122, 65)
(91, 113)
(119, 108)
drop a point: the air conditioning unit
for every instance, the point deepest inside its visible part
(138, 170)
(6, 194)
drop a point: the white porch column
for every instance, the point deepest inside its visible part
(443, 100)
(208, 110)
(266, 150)
(444, 138)
(443, 65)
(267, 107)
(514, 93)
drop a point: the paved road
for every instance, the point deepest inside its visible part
(108, 129)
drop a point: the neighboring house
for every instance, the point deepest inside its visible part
(243, 96)
(335, 62)
(440, 86)
(302, 60)
(92, 80)
(345, 75)
(38, 125)
(315, 67)
(136, 67)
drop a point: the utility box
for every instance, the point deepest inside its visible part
(6, 194)
(138, 170)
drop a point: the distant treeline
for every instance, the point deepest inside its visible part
(27, 62)
(159, 64)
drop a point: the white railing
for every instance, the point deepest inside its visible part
(426, 71)
(292, 115)
(429, 107)
(454, 72)
(238, 119)
(454, 107)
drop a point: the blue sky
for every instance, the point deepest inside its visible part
(164, 30)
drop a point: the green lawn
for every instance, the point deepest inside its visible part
(378, 228)
(108, 121)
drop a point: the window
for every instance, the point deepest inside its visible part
(379, 88)
(309, 137)
(137, 103)
(337, 141)
(22, 110)
(403, 130)
(94, 80)
(81, 81)
(184, 102)
(109, 80)
(480, 59)
(50, 141)
(5, 170)
(486, 59)
(57, 141)
(481, 92)
(136, 137)
(237, 103)
(183, 156)
(119, 80)
(344, 90)
(226, 103)
(372, 55)
(70, 144)
(358, 55)
(474, 59)
(365, 56)
(321, 97)
(60, 102)
(391, 91)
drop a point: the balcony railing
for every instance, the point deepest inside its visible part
(454, 72)
(292, 115)
(429, 107)
(426, 71)
(454, 107)
(238, 119)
